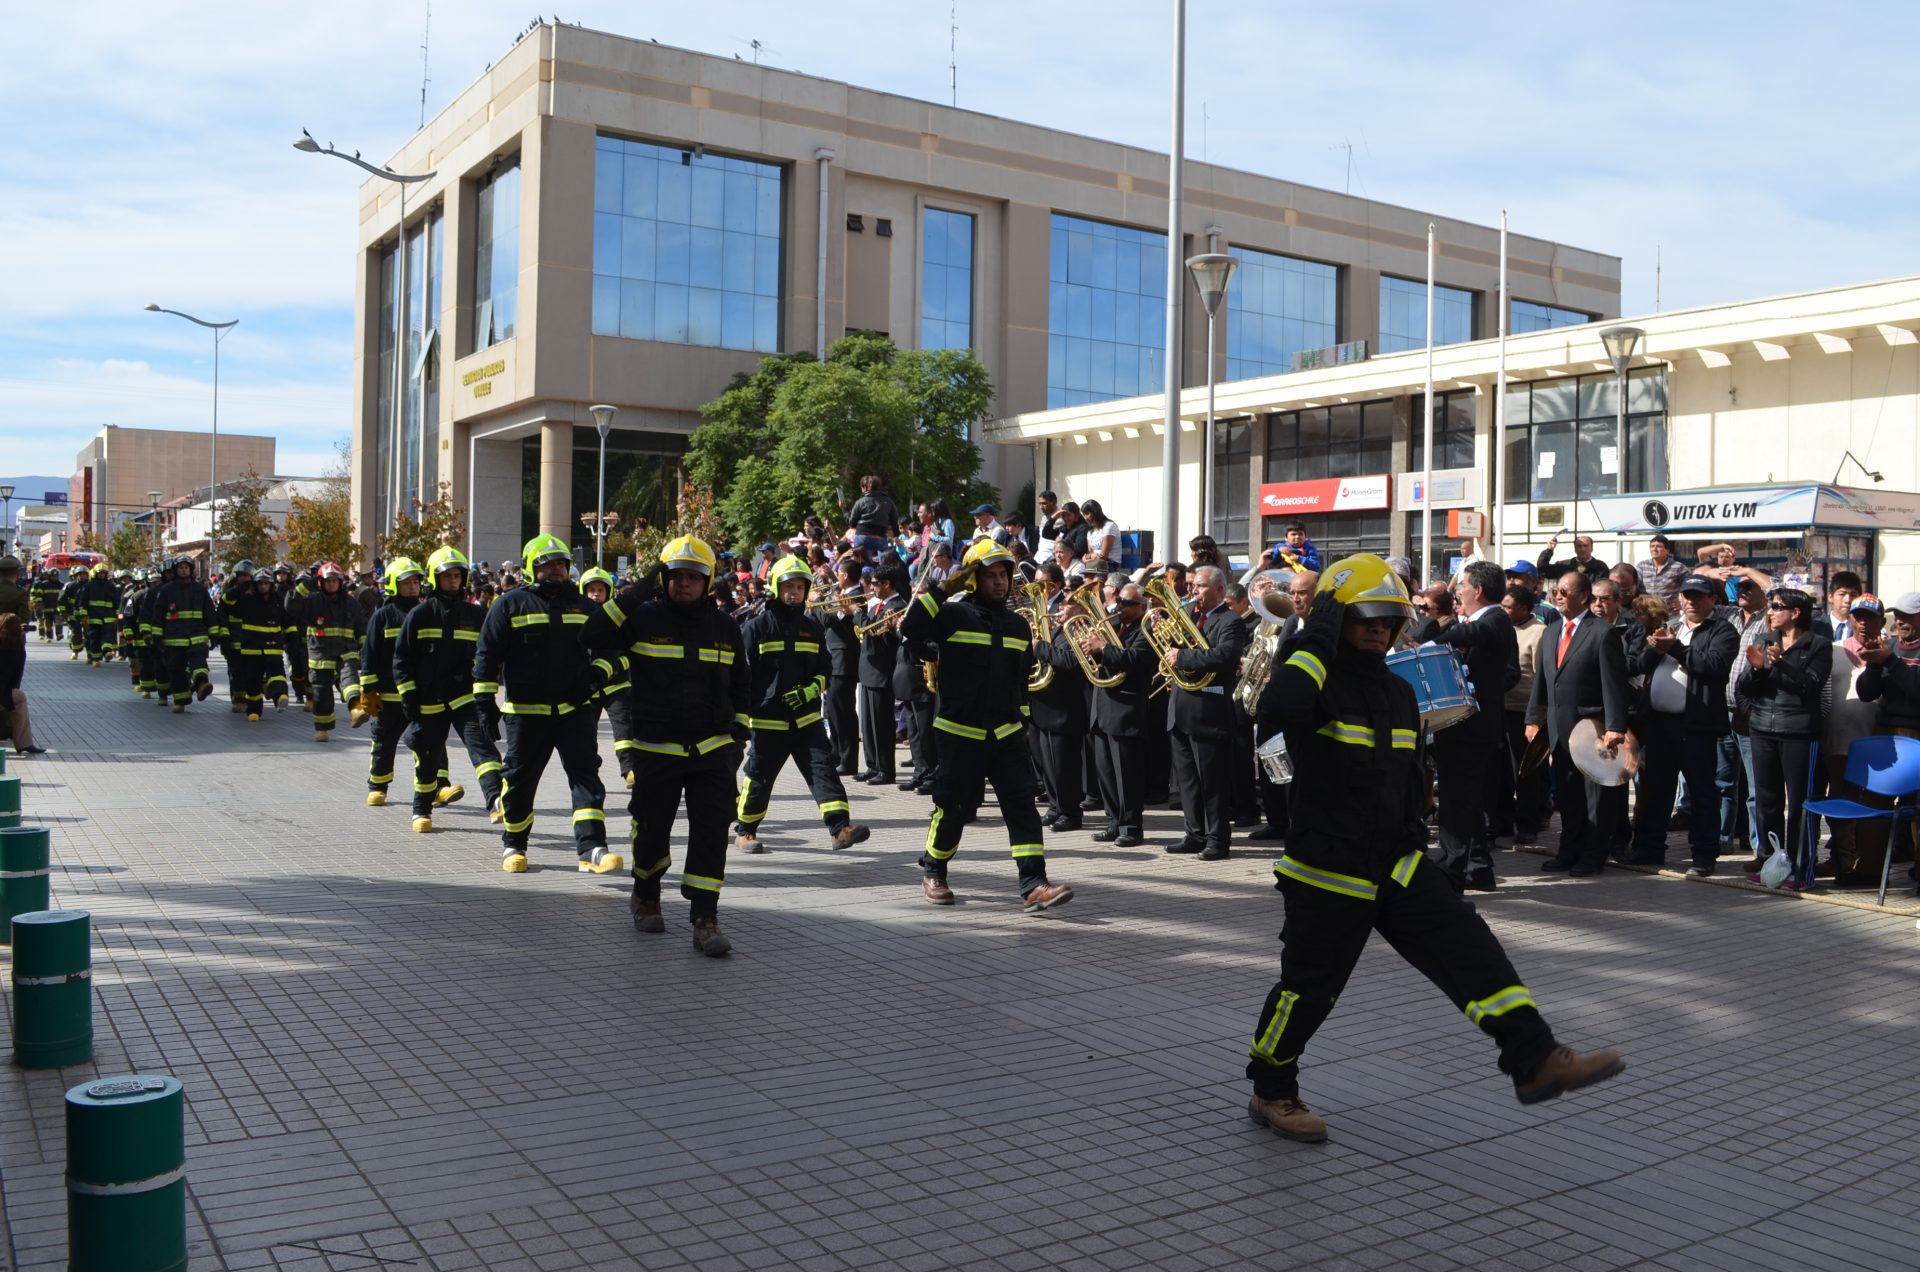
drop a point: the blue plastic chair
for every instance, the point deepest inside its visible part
(1886, 766)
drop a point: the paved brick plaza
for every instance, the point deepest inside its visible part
(397, 1057)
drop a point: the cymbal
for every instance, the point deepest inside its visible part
(1607, 768)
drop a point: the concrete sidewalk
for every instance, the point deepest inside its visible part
(397, 1057)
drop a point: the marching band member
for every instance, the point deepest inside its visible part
(1122, 718)
(1200, 721)
(1059, 716)
(879, 651)
(843, 685)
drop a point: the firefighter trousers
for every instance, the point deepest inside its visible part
(77, 636)
(807, 746)
(324, 676)
(1429, 925)
(966, 766)
(186, 670)
(426, 737)
(388, 727)
(297, 666)
(620, 720)
(532, 740)
(705, 781)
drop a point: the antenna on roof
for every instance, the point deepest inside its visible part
(425, 35)
(953, 51)
(1656, 278)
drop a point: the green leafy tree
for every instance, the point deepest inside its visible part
(794, 437)
(320, 524)
(695, 514)
(431, 526)
(245, 531)
(131, 545)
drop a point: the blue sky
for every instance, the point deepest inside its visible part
(1761, 149)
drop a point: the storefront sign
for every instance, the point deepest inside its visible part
(1729, 508)
(1332, 356)
(1452, 488)
(1324, 494)
(481, 377)
(1868, 509)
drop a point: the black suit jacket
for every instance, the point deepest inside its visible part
(1062, 706)
(1590, 684)
(1492, 653)
(1209, 713)
(843, 650)
(1122, 710)
(879, 651)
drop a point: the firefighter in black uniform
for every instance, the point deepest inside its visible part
(690, 688)
(598, 586)
(73, 608)
(433, 676)
(379, 700)
(986, 653)
(1356, 857)
(226, 634)
(133, 633)
(788, 668)
(180, 612)
(149, 616)
(100, 600)
(334, 623)
(46, 603)
(295, 645)
(256, 625)
(532, 652)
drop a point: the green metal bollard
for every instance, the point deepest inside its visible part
(9, 801)
(126, 1175)
(25, 868)
(52, 989)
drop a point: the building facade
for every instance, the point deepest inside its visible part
(1789, 426)
(613, 221)
(114, 473)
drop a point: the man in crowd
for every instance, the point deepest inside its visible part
(1520, 804)
(1582, 676)
(1686, 663)
(1842, 588)
(1200, 720)
(1662, 572)
(879, 650)
(1626, 584)
(1123, 718)
(987, 526)
(1582, 560)
(1018, 531)
(1465, 752)
(1748, 618)
(840, 617)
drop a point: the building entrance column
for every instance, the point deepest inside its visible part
(556, 479)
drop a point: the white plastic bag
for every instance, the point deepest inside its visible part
(1778, 865)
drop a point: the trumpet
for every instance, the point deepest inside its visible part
(887, 618)
(1034, 606)
(1081, 617)
(1169, 628)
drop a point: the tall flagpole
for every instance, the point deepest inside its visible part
(1426, 478)
(1500, 410)
(1168, 546)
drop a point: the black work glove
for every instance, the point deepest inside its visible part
(1326, 619)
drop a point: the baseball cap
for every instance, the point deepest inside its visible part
(1700, 583)
(1527, 568)
(987, 508)
(1906, 603)
(1865, 601)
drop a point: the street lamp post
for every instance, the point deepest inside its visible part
(153, 523)
(219, 330)
(7, 536)
(306, 144)
(602, 421)
(1211, 272)
(1620, 343)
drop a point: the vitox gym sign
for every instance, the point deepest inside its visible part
(1325, 494)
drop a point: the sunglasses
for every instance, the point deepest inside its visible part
(1775, 605)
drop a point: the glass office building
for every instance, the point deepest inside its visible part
(1106, 311)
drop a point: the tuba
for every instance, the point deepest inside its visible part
(1169, 627)
(1033, 604)
(1080, 617)
(1274, 607)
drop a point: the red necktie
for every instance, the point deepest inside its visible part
(1566, 638)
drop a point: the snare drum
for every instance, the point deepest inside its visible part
(1439, 683)
(1274, 760)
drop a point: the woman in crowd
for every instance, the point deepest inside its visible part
(13, 666)
(1202, 550)
(1784, 682)
(1103, 537)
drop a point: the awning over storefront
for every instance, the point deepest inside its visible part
(1775, 507)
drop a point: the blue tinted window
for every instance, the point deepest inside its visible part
(1276, 307)
(496, 254)
(686, 248)
(1403, 315)
(1527, 316)
(946, 280)
(1106, 312)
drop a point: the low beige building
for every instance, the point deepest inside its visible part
(114, 473)
(614, 221)
(1789, 426)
